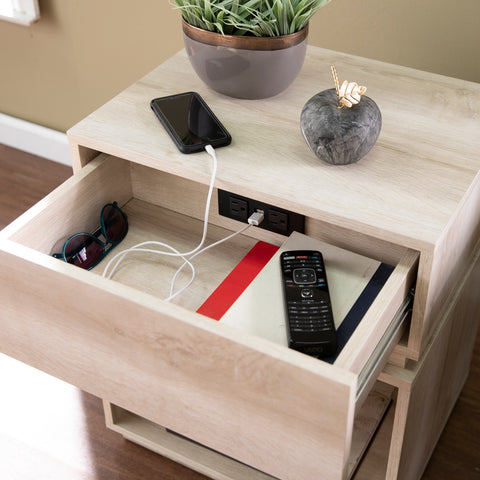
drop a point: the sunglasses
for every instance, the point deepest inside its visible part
(85, 250)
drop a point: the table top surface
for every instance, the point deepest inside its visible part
(405, 190)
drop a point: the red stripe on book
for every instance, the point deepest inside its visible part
(237, 281)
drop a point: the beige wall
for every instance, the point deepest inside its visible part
(83, 52)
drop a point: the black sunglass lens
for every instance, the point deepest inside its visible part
(83, 251)
(114, 223)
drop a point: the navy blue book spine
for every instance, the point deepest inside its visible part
(360, 307)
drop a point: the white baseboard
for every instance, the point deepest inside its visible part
(33, 138)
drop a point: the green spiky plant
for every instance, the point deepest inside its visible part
(261, 18)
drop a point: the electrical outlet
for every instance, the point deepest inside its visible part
(276, 219)
(238, 208)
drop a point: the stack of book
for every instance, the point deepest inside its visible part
(251, 297)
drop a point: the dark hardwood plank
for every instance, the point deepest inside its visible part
(24, 180)
(457, 454)
(49, 429)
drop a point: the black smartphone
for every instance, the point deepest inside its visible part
(190, 122)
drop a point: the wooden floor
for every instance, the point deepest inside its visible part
(51, 430)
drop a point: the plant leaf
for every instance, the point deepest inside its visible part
(249, 17)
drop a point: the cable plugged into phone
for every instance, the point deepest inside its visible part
(190, 122)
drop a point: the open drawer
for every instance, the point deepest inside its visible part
(260, 403)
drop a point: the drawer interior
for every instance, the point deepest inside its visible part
(126, 345)
(76, 206)
(162, 217)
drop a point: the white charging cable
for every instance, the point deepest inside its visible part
(255, 219)
(187, 262)
(175, 252)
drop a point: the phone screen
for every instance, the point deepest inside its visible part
(190, 122)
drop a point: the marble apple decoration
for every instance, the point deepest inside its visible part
(341, 125)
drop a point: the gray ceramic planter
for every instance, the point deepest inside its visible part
(245, 67)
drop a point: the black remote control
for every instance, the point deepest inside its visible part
(310, 327)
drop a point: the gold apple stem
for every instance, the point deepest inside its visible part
(337, 85)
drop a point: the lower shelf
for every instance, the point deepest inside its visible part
(220, 467)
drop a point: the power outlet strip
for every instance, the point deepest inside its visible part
(276, 219)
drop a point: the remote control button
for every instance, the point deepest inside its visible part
(307, 293)
(304, 276)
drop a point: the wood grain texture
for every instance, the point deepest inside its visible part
(409, 190)
(74, 206)
(211, 382)
(208, 382)
(82, 448)
(442, 368)
(219, 467)
(446, 267)
(413, 190)
(83, 194)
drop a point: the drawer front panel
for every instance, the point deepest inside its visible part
(254, 401)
